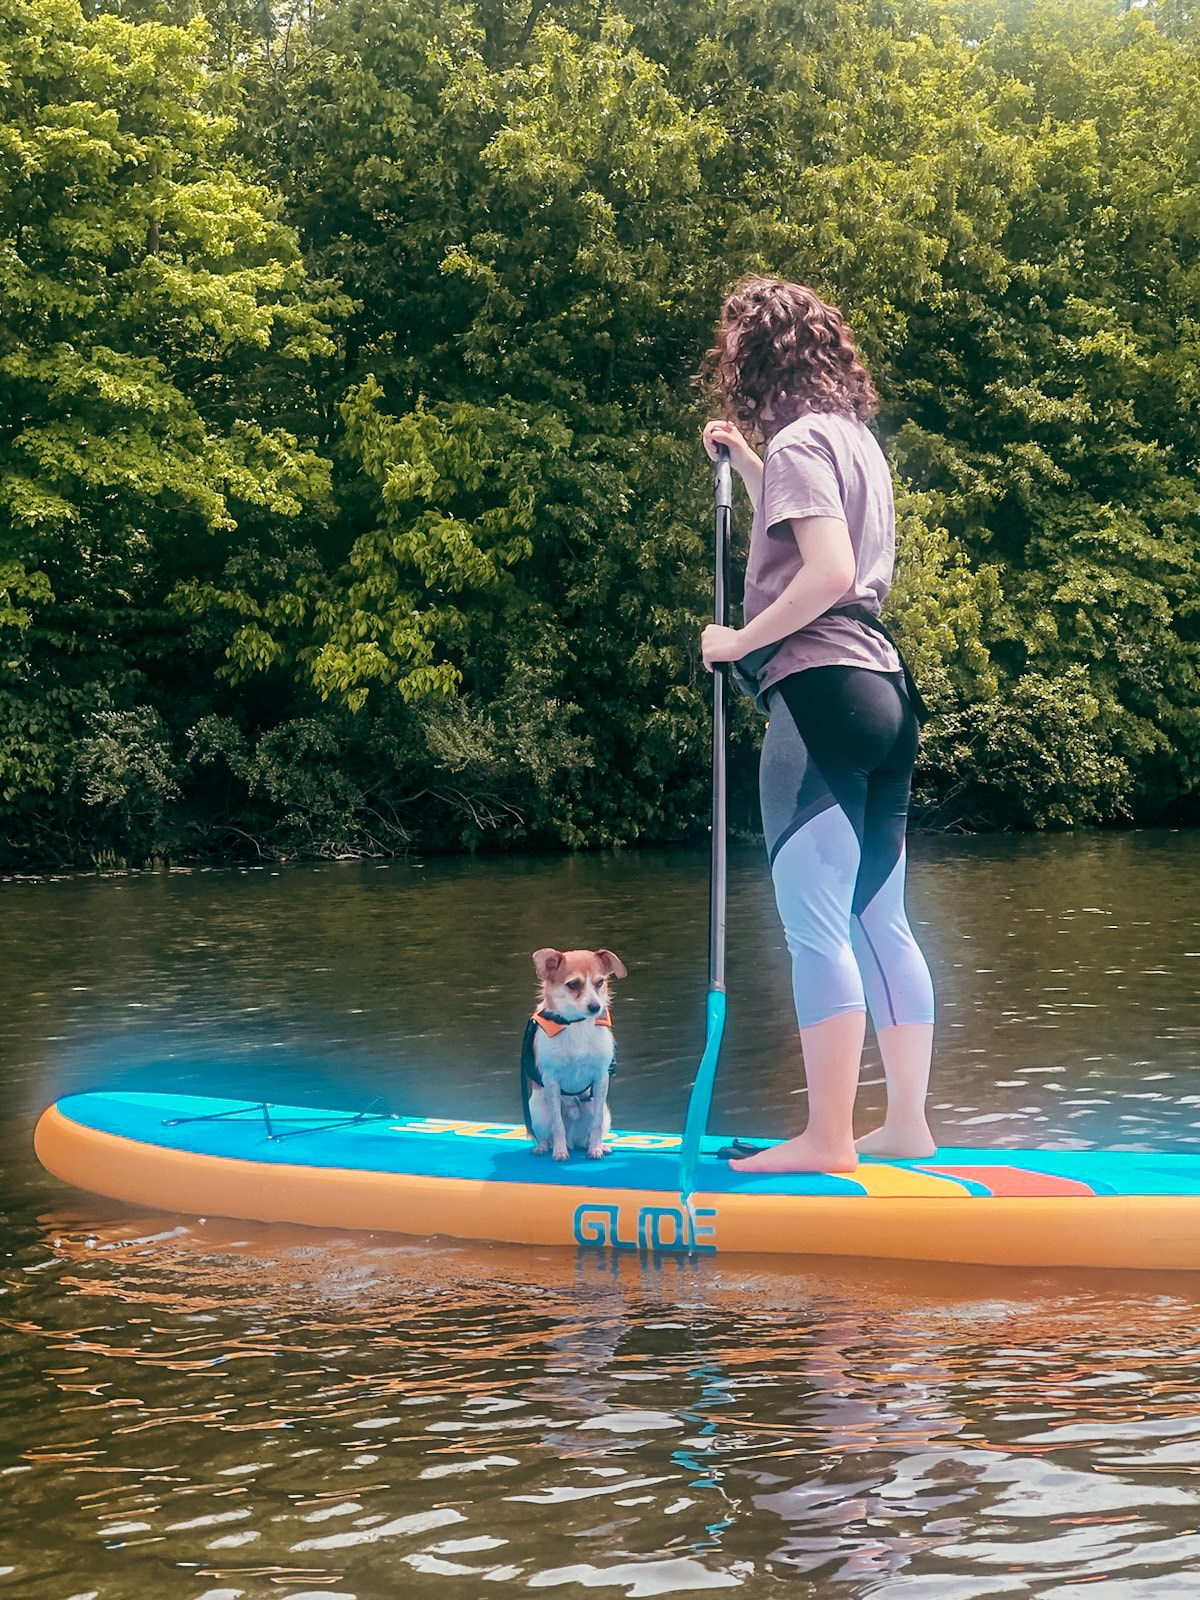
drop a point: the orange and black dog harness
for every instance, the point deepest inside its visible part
(551, 1024)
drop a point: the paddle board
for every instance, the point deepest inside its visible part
(480, 1180)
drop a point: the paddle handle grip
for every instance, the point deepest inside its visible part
(724, 482)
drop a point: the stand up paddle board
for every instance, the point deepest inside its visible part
(481, 1180)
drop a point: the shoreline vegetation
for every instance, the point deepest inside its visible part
(352, 499)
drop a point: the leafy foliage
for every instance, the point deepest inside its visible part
(151, 302)
(350, 485)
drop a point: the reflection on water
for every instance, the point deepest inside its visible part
(246, 1410)
(208, 1410)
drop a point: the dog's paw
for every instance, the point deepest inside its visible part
(596, 1151)
(562, 1153)
(541, 1149)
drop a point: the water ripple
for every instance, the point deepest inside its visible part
(857, 1435)
(215, 1411)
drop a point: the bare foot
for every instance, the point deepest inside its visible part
(903, 1142)
(802, 1154)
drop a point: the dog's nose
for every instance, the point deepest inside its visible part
(594, 1007)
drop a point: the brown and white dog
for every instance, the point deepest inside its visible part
(568, 1054)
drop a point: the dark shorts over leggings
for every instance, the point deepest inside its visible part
(835, 779)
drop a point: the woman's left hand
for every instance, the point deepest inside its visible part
(720, 644)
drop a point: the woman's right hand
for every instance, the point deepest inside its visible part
(741, 456)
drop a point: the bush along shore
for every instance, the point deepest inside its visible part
(351, 491)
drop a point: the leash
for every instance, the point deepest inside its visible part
(700, 1099)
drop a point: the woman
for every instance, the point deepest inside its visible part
(838, 754)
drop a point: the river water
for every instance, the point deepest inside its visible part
(207, 1410)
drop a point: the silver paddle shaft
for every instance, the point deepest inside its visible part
(723, 497)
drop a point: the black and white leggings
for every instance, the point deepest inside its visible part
(835, 777)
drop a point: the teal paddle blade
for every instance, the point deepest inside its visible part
(702, 1091)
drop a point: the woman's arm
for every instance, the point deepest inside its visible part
(828, 571)
(750, 470)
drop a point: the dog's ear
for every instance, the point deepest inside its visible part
(546, 963)
(612, 964)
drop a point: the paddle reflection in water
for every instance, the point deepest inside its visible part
(242, 1410)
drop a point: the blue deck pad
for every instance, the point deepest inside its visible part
(417, 1146)
(502, 1153)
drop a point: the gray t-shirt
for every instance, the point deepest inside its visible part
(823, 465)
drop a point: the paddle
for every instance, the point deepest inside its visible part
(702, 1085)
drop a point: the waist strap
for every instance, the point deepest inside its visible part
(860, 613)
(746, 673)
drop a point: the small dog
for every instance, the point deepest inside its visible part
(568, 1054)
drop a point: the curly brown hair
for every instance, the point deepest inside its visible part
(781, 348)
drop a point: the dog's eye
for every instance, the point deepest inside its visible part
(575, 985)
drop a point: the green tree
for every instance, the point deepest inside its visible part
(515, 562)
(1054, 414)
(537, 212)
(149, 292)
(350, 417)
